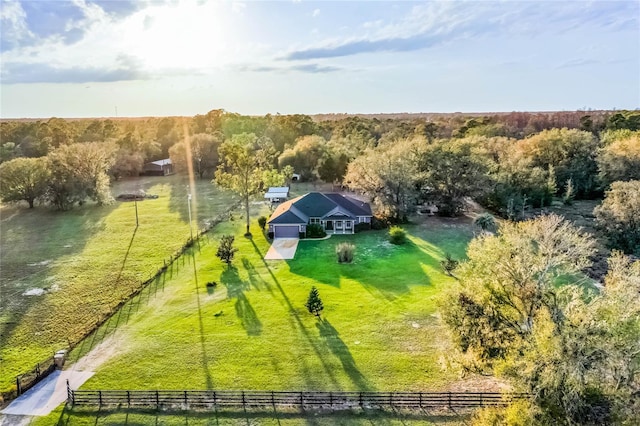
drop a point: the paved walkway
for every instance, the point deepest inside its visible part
(282, 248)
(48, 394)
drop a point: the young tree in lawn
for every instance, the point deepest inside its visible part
(23, 179)
(243, 159)
(314, 304)
(226, 251)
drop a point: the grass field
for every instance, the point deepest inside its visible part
(62, 272)
(81, 417)
(379, 329)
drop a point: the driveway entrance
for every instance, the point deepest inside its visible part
(282, 249)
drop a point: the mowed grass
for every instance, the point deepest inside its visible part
(380, 329)
(93, 417)
(87, 261)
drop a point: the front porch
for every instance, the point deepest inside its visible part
(339, 226)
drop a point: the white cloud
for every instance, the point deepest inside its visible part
(316, 13)
(13, 23)
(161, 39)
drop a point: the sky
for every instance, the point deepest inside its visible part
(85, 58)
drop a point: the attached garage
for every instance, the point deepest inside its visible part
(285, 231)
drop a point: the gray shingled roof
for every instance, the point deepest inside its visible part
(316, 204)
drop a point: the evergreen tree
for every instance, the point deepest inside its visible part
(314, 304)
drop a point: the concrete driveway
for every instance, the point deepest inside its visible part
(282, 248)
(48, 394)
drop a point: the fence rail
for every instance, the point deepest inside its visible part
(183, 399)
(27, 380)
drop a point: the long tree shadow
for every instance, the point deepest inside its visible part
(255, 415)
(255, 279)
(377, 264)
(236, 288)
(205, 357)
(33, 241)
(337, 346)
(296, 322)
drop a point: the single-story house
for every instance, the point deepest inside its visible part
(336, 213)
(277, 194)
(158, 168)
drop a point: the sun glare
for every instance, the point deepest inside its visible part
(181, 36)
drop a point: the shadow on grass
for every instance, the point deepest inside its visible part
(266, 415)
(236, 288)
(255, 279)
(337, 346)
(33, 241)
(297, 324)
(119, 318)
(205, 356)
(378, 266)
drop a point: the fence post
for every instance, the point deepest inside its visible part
(186, 401)
(215, 402)
(157, 400)
(99, 398)
(273, 400)
(420, 399)
(450, 400)
(481, 399)
(244, 402)
(391, 399)
(331, 399)
(128, 398)
(301, 401)
(18, 386)
(361, 405)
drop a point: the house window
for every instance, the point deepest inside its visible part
(338, 224)
(347, 224)
(314, 220)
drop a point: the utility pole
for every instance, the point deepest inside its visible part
(189, 207)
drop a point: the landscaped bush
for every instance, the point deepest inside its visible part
(262, 222)
(315, 231)
(345, 252)
(270, 235)
(397, 235)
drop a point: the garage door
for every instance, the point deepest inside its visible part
(286, 231)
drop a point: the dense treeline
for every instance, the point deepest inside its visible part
(574, 348)
(508, 162)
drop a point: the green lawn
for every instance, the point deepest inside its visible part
(87, 261)
(91, 417)
(379, 330)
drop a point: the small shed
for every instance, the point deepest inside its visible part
(158, 168)
(277, 194)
